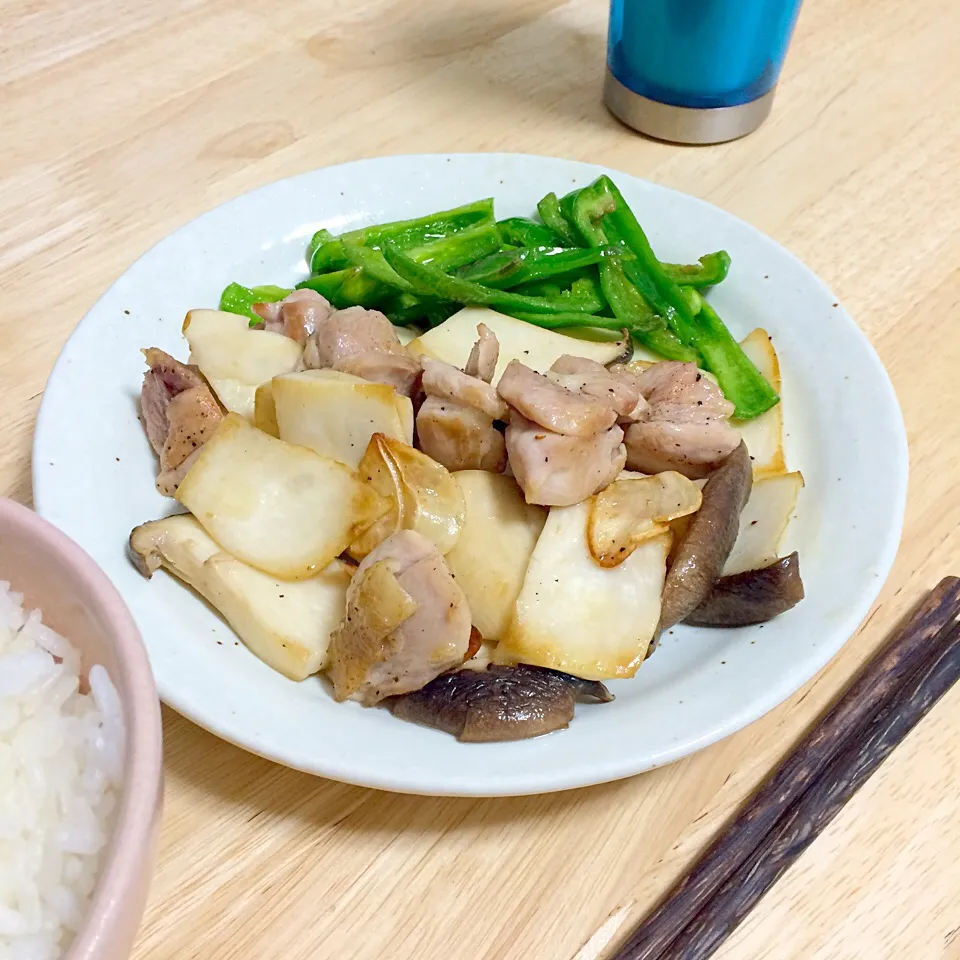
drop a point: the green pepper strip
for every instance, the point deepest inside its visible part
(550, 289)
(239, 299)
(428, 281)
(405, 233)
(694, 300)
(498, 269)
(627, 303)
(359, 289)
(316, 241)
(407, 310)
(348, 288)
(327, 284)
(459, 248)
(635, 310)
(373, 264)
(742, 384)
(529, 264)
(448, 252)
(549, 210)
(711, 270)
(570, 264)
(566, 203)
(520, 232)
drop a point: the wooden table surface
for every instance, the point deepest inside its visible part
(122, 120)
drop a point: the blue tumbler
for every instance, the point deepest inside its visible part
(696, 71)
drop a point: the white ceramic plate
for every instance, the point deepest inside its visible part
(94, 474)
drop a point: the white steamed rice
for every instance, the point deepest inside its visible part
(61, 756)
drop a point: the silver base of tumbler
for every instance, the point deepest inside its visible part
(684, 124)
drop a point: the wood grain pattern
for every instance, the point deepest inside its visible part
(895, 690)
(878, 688)
(816, 808)
(122, 120)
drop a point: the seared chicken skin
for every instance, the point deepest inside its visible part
(685, 427)
(406, 622)
(557, 470)
(455, 423)
(180, 413)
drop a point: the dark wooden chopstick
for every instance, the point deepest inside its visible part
(809, 816)
(887, 689)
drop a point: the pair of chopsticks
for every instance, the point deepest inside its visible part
(892, 693)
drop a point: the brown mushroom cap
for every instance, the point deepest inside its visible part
(700, 556)
(753, 596)
(499, 703)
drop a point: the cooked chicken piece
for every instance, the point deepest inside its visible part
(296, 316)
(622, 372)
(686, 426)
(455, 422)
(459, 437)
(556, 470)
(169, 480)
(483, 358)
(553, 406)
(671, 381)
(362, 342)
(164, 380)
(407, 621)
(402, 372)
(619, 390)
(446, 382)
(693, 449)
(179, 413)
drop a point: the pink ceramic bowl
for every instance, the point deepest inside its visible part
(78, 601)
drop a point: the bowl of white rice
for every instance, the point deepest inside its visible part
(80, 752)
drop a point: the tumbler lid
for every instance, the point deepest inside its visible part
(663, 121)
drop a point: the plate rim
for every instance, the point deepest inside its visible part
(555, 780)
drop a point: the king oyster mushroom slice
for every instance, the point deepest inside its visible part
(287, 624)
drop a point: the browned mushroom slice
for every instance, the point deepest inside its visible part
(499, 703)
(753, 596)
(700, 556)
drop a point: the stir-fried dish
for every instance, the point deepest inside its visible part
(470, 469)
